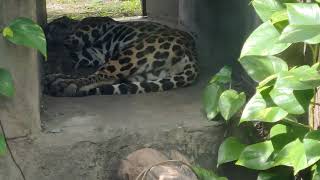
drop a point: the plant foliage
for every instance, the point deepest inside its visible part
(284, 95)
(204, 174)
(23, 31)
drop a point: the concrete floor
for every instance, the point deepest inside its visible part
(85, 138)
(87, 117)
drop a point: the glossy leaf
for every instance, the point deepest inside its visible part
(301, 78)
(283, 135)
(210, 100)
(256, 110)
(304, 25)
(223, 76)
(271, 115)
(257, 156)
(265, 8)
(23, 31)
(279, 16)
(299, 33)
(230, 103)
(303, 13)
(278, 129)
(204, 174)
(311, 144)
(264, 41)
(268, 82)
(261, 67)
(280, 20)
(253, 107)
(2, 145)
(314, 40)
(294, 102)
(293, 130)
(316, 172)
(6, 83)
(293, 155)
(230, 150)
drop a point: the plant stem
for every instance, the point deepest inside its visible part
(314, 120)
(10, 152)
(315, 52)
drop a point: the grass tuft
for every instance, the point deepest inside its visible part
(79, 9)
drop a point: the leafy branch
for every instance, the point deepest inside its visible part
(285, 94)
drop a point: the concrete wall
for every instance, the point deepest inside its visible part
(20, 115)
(163, 10)
(221, 26)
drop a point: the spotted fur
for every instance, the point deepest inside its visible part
(130, 57)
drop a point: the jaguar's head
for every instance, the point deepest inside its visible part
(57, 30)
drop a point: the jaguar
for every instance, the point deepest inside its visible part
(128, 57)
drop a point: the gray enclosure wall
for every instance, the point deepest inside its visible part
(221, 26)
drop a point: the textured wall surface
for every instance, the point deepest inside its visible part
(163, 10)
(221, 27)
(20, 115)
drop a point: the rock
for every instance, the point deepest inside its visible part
(156, 166)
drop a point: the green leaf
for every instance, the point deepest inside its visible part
(210, 100)
(314, 40)
(204, 174)
(311, 144)
(230, 103)
(300, 33)
(2, 145)
(257, 156)
(256, 110)
(23, 31)
(223, 76)
(304, 25)
(261, 67)
(293, 155)
(278, 129)
(294, 102)
(264, 41)
(279, 16)
(303, 13)
(282, 135)
(316, 172)
(293, 130)
(268, 82)
(6, 83)
(301, 78)
(280, 20)
(230, 150)
(265, 8)
(253, 107)
(7, 32)
(271, 115)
